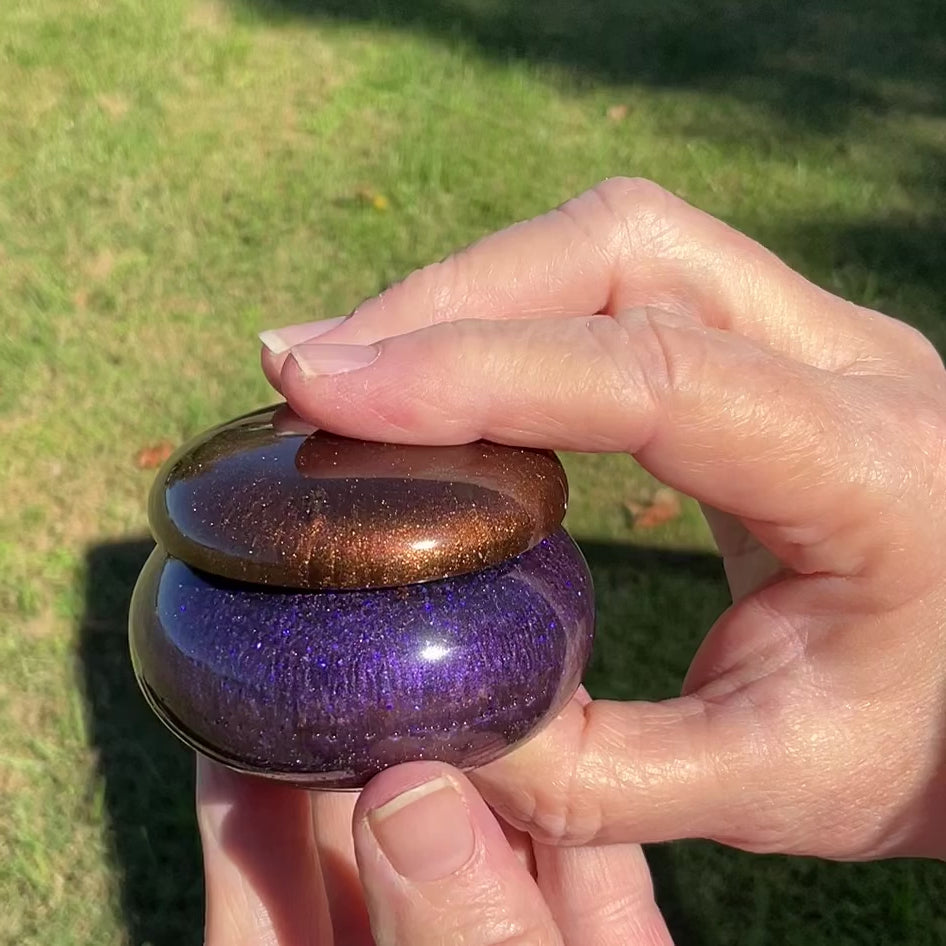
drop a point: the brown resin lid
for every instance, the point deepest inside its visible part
(267, 499)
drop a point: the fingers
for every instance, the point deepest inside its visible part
(437, 867)
(790, 738)
(624, 772)
(601, 895)
(757, 754)
(781, 445)
(624, 244)
(332, 821)
(263, 883)
(643, 772)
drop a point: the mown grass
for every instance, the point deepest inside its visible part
(176, 176)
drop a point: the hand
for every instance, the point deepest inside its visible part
(813, 431)
(433, 863)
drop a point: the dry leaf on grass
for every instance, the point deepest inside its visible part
(663, 506)
(151, 457)
(378, 201)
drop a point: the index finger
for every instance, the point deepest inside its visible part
(622, 245)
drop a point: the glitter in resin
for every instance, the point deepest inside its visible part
(327, 688)
(256, 502)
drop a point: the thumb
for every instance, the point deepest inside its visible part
(776, 442)
(642, 772)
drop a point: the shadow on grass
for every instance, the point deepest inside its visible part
(895, 262)
(148, 776)
(653, 607)
(813, 62)
(807, 68)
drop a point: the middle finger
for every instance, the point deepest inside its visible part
(621, 245)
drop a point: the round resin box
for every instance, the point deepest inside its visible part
(319, 608)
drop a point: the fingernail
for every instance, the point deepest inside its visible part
(278, 340)
(425, 832)
(319, 360)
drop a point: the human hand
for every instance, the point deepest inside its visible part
(285, 868)
(812, 430)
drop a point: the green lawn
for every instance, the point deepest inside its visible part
(177, 175)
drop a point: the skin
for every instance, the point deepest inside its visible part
(812, 718)
(290, 868)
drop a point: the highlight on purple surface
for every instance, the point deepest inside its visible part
(326, 688)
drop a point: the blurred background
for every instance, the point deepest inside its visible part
(176, 176)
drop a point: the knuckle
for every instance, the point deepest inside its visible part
(636, 213)
(919, 349)
(561, 812)
(567, 818)
(641, 209)
(654, 343)
(636, 374)
(642, 349)
(625, 195)
(567, 810)
(644, 370)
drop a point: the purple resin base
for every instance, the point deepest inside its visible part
(325, 689)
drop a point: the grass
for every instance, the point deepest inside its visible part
(176, 176)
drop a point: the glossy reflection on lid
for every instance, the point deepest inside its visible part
(266, 499)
